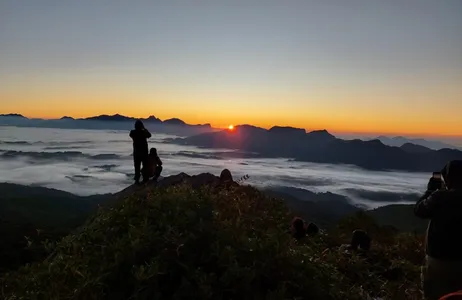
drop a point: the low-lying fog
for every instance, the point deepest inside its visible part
(87, 162)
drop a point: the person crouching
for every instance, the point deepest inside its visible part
(154, 166)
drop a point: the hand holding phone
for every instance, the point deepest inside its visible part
(436, 182)
(437, 175)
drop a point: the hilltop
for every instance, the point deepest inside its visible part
(197, 237)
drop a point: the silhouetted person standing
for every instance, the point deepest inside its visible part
(442, 204)
(140, 148)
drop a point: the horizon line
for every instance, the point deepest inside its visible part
(221, 126)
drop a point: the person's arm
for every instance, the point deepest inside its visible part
(425, 207)
(131, 133)
(159, 162)
(147, 133)
(430, 202)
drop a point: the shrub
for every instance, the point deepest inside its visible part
(179, 243)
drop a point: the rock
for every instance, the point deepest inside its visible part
(173, 180)
(226, 176)
(297, 229)
(312, 229)
(360, 239)
(200, 180)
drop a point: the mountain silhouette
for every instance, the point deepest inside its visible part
(287, 131)
(175, 121)
(322, 147)
(152, 119)
(119, 118)
(399, 141)
(13, 116)
(413, 148)
(115, 118)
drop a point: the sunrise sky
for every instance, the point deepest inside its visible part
(347, 66)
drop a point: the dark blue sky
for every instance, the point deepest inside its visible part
(303, 63)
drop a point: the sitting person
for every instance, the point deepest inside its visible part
(154, 166)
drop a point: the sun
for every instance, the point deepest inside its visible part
(231, 127)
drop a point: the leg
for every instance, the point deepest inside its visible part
(157, 172)
(440, 278)
(145, 162)
(137, 163)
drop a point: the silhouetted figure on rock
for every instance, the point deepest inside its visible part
(226, 179)
(154, 166)
(140, 148)
(442, 205)
(226, 176)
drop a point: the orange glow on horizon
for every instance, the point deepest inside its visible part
(364, 127)
(338, 113)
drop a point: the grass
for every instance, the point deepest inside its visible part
(33, 216)
(181, 243)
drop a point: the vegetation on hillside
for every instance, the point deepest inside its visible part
(31, 217)
(400, 216)
(210, 243)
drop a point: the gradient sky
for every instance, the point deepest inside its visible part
(349, 66)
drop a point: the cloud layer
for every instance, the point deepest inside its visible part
(88, 162)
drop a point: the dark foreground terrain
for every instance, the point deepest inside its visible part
(194, 237)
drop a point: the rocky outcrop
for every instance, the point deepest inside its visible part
(195, 181)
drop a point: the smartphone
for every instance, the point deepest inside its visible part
(437, 175)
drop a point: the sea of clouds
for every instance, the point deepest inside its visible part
(87, 162)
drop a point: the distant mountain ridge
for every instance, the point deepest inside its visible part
(399, 141)
(323, 147)
(172, 126)
(13, 116)
(293, 143)
(117, 118)
(413, 148)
